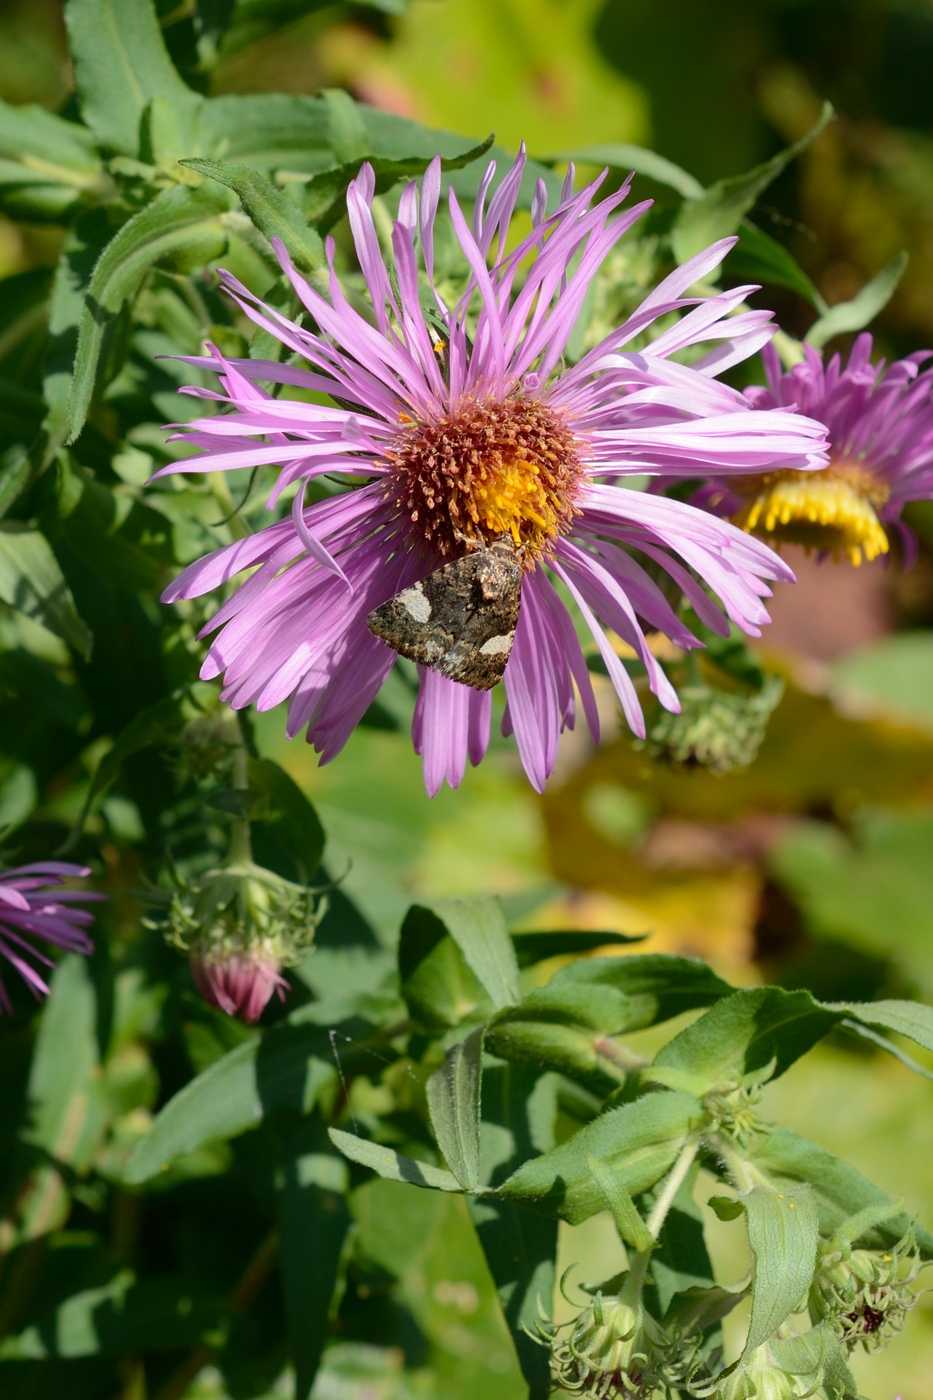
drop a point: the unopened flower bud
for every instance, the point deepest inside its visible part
(716, 729)
(240, 925)
(761, 1377)
(240, 983)
(612, 1350)
(866, 1293)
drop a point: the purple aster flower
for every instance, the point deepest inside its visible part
(880, 424)
(461, 428)
(34, 905)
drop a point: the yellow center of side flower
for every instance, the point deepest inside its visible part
(497, 468)
(833, 510)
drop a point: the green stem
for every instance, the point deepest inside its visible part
(241, 848)
(634, 1280)
(672, 1185)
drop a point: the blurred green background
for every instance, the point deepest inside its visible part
(815, 866)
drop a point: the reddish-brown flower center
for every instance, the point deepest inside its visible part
(494, 469)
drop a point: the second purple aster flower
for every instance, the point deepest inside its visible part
(467, 431)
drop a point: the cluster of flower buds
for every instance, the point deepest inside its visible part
(240, 925)
(865, 1294)
(615, 1350)
(715, 729)
(762, 1376)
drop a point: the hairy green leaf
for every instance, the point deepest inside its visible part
(454, 1101)
(744, 1033)
(121, 64)
(179, 222)
(273, 213)
(839, 1190)
(393, 1166)
(630, 1227)
(782, 1235)
(638, 1142)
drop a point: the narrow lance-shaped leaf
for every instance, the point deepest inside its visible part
(32, 582)
(394, 1166)
(620, 155)
(314, 1220)
(782, 1235)
(764, 1029)
(121, 64)
(288, 1068)
(179, 221)
(856, 314)
(454, 1101)
(273, 213)
(720, 210)
(630, 1227)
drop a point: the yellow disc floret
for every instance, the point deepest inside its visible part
(496, 468)
(833, 510)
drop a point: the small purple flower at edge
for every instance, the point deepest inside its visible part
(880, 423)
(34, 905)
(460, 442)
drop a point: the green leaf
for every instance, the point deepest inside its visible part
(46, 143)
(179, 221)
(619, 155)
(855, 315)
(631, 1229)
(269, 130)
(782, 1235)
(817, 1356)
(84, 243)
(393, 1166)
(478, 928)
(324, 195)
(757, 257)
(345, 126)
(273, 213)
(721, 209)
(121, 64)
(909, 1018)
(839, 1190)
(744, 1033)
(534, 947)
(520, 1245)
(65, 1102)
(313, 1224)
(47, 165)
(568, 1024)
(287, 1069)
(639, 1142)
(453, 1093)
(32, 582)
(437, 984)
(439, 978)
(289, 816)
